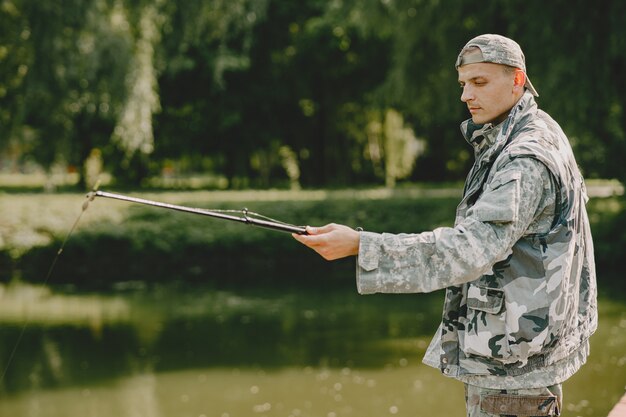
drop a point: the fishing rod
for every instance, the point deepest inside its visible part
(247, 217)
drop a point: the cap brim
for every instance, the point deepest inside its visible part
(530, 87)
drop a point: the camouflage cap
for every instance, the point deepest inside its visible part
(498, 50)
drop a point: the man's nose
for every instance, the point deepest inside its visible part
(467, 94)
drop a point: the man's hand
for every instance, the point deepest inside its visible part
(332, 241)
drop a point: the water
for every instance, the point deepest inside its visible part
(199, 352)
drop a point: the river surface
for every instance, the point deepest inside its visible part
(197, 352)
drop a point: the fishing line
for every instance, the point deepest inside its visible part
(243, 216)
(90, 198)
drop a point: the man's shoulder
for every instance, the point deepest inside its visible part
(537, 126)
(534, 153)
(529, 167)
(539, 136)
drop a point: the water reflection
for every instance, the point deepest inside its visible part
(68, 341)
(296, 392)
(192, 352)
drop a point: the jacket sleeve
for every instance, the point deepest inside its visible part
(447, 256)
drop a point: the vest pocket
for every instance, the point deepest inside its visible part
(485, 324)
(508, 335)
(499, 202)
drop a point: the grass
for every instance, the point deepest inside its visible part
(117, 241)
(32, 219)
(35, 219)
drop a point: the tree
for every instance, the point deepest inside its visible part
(264, 92)
(206, 46)
(73, 63)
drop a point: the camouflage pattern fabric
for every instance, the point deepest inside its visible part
(496, 49)
(517, 266)
(484, 402)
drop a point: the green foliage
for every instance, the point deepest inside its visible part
(608, 218)
(225, 86)
(6, 266)
(156, 246)
(73, 57)
(160, 246)
(13, 70)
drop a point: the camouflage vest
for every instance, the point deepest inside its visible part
(539, 305)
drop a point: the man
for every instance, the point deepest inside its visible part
(518, 268)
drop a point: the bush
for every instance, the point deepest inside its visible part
(155, 245)
(152, 245)
(6, 266)
(609, 238)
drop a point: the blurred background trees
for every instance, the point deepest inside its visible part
(270, 93)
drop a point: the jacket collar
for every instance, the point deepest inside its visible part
(481, 136)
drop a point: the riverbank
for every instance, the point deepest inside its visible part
(120, 242)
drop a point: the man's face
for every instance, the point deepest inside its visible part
(488, 91)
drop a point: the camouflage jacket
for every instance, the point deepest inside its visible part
(517, 266)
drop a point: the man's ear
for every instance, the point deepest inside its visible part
(520, 78)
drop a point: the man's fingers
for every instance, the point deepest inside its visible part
(332, 241)
(310, 239)
(312, 230)
(320, 230)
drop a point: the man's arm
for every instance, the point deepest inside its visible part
(424, 262)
